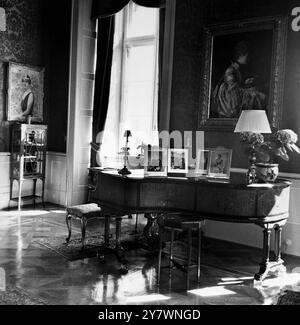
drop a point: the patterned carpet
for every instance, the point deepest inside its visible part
(17, 296)
(73, 250)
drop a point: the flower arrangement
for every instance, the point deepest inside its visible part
(279, 144)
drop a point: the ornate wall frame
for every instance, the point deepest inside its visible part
(274, 27)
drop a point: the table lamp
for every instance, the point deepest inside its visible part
(124, 171)
(254, 121)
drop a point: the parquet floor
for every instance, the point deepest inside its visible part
(226, 272)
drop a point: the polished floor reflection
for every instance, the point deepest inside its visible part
(226, 271)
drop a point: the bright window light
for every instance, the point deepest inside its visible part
(133, 99)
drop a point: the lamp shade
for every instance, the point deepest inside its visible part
(255, 121)
(127, 133)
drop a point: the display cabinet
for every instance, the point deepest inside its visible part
(28, 159)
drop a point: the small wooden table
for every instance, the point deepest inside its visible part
(266, 205)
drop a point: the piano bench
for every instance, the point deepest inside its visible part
(83, 212)
(172, 223)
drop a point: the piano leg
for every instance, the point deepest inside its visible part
(274, 266)
(263, 270)
(119, 250)
(148, 233)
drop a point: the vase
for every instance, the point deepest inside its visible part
(266, 172)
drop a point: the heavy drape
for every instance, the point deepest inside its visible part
(106, 27)
(105, 8)
(104, 11)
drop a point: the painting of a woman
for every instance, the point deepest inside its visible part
(228, 93)
(25, 93)
(27, 99)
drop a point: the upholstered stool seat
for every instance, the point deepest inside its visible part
(179, 223)
(84, 212)
(89, 210)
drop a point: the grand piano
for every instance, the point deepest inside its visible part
(265, 205)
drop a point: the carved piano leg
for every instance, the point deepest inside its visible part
(151, 239)
(281, 269)
(263, 270)
(274, 266)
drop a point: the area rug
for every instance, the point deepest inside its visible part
(17, 296)
(289, 297)
(73, 250)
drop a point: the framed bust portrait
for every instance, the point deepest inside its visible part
(243, 69)
(25, 93)
(219, 163)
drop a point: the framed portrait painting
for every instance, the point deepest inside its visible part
(219, 163)
(243, 69)
(178, 161)
(25, 93)
(155, 161)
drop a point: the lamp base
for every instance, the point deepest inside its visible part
(251, 175)
(124, 171)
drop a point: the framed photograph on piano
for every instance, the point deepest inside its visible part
(178, 161)
(219, 164)
(202, 162)
(155, 161)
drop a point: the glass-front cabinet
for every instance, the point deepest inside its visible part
(28, 158)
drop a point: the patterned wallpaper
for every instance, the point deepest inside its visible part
(21, 42)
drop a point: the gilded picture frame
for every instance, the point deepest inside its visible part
(259, 80)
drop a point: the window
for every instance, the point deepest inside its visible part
(134, 82)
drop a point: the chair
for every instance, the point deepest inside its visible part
(179, 223)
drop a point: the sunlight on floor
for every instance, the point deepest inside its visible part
(29, 213)
(238, 280)
(283, 280)
(146, 298)
(59, 211)
(211, 292)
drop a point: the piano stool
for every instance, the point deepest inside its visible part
(172, 223)
(89, 211)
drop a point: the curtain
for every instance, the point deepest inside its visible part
(105, 44)
(104, 11)
(106, 8)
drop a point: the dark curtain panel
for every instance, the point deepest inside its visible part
(105, 8)
(106, 27)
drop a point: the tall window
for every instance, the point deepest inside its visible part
(134, 82)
